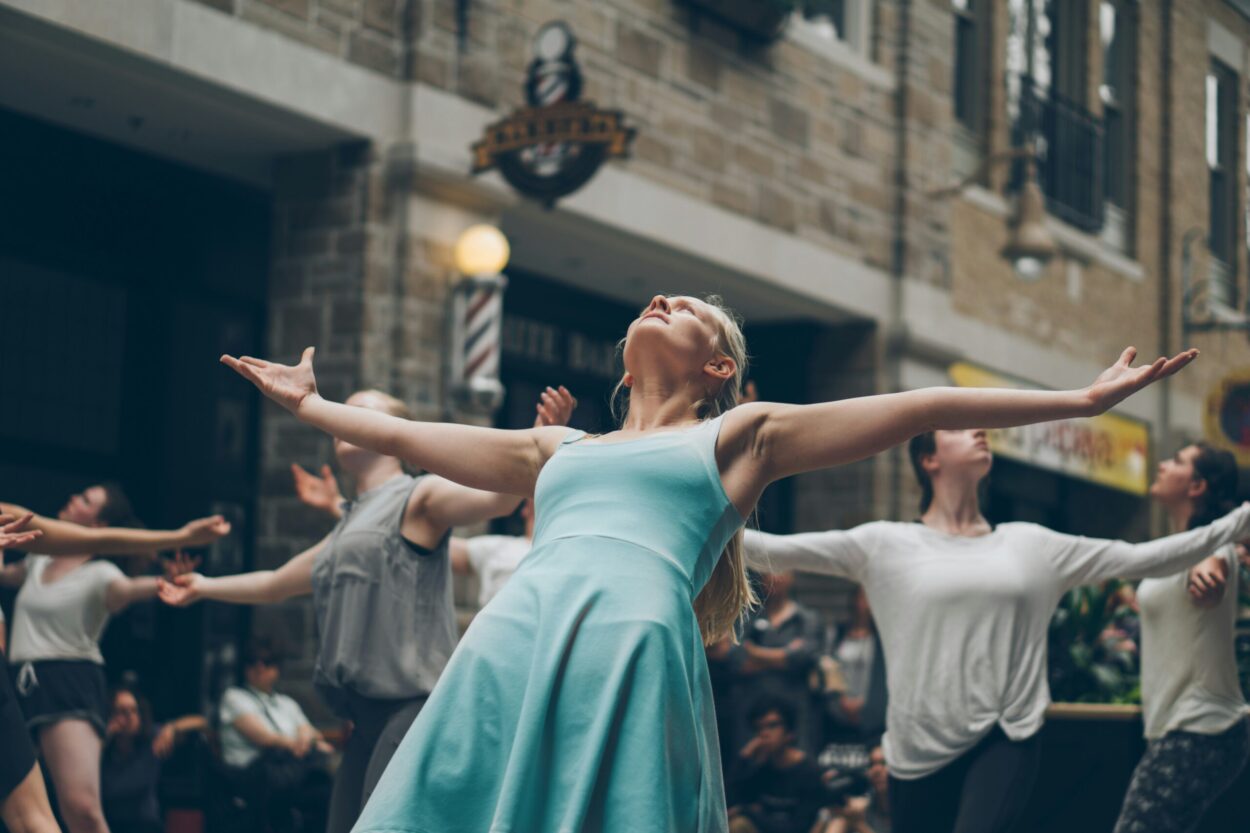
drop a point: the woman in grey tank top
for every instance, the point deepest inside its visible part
(383, 571)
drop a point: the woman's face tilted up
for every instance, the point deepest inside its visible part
(677, 337)
(84, 508)
(960, 455)
(1175, 480)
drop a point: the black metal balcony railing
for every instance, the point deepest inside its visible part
(1070, 154)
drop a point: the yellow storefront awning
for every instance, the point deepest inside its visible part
(1111, 450)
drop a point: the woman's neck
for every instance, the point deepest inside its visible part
(1180, 514)
(382, 470)
(658, 405)
(956, 510)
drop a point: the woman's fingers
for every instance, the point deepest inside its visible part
(1126, 358)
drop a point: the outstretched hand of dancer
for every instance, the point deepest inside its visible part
(288, 385)
(204, 531)
(1207, 581)
(318, 492)
(555, 407)
(1121, 380)
(182, 590)
(13, 531)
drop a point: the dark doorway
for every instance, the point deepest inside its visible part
(124, 278)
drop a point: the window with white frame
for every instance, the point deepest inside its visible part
(1221, 154)
(848, 23)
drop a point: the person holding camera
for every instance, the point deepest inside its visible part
(775, 786)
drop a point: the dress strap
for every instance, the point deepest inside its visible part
(573, 436)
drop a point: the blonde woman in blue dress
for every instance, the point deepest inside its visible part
(579, 698)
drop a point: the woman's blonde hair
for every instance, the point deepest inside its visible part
(728, 592)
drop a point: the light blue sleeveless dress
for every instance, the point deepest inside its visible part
(579, 700)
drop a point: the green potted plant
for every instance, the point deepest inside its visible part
(1093, 656)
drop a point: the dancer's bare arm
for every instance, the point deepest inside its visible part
(66, 538)
(491, 459)
(293, 578)
(766, 441)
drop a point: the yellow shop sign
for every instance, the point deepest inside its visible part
(1110, 450)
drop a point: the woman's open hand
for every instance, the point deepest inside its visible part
(180, 591)
(288, 385)
(13, 531)
(1120, 381)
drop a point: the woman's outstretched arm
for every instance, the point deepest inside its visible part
(1091, 560)
(293, 578)
(67, 538)
(790, 439)
(492, 459)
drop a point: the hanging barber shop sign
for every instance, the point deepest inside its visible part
(555, 145)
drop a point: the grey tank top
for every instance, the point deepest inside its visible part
(385, 616)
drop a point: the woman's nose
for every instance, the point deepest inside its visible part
(659, 302)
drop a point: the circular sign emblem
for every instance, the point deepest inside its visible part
(1227, 420)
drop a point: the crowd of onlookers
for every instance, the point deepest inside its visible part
(800, 710)
(800, 713)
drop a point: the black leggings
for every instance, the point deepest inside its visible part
(1179, 777)
(379, 726)
(982, 791)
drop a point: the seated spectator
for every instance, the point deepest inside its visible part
(779, 650)
(130, 766)
(275, 756)
(868, 813)
(775, 787)
(856, 714)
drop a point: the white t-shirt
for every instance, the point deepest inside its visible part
(964, 621)
(64, 619)
(495, 558)
(1188, 657)
(278, 712)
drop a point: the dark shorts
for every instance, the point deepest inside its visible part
(50, 691)
(19, 755)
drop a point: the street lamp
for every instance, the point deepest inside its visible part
(481, 250)
(1030, 246)
(481, 254)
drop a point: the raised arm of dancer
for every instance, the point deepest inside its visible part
(490, 459)
(15, 531)
(293, 578)
(125, 591)
(321, 493)
(834, 552)
(1089, 560)
(789, 439)
(66, 538)
(1208, 579)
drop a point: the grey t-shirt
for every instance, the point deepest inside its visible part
(385, 615)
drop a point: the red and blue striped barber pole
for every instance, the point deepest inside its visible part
(478, 327)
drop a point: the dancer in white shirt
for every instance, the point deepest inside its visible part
(963, 610)
(1197, 736)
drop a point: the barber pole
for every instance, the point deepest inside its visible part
(477, 315)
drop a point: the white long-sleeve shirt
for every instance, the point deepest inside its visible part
(964, 621)
(1189, 657)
